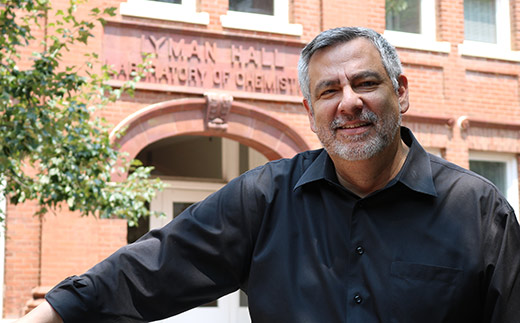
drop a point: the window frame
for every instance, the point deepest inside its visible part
(502, 49)
(184, 12)
(427, 39)
(511, 173)
(278, 23)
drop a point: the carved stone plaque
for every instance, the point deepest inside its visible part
(198, 62)
(217, 110)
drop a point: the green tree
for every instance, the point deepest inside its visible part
(54, 147)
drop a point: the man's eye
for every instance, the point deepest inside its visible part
(368, 84)
(327, 92)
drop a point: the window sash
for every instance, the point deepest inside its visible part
(263, 7)
(404, 16)
(495, 171)
(480, 20)
(502, 170)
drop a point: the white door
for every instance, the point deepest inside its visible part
(173, 200)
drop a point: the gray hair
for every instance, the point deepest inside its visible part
(336, 36)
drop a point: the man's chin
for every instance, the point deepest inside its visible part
(349, 153)
(355, 151)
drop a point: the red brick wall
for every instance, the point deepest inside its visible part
(22, 257)
(71, 244)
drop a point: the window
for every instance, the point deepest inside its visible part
(501, 169)
(172, 10)
(487, 30)
(480, 21)
(495, 171)
(412, 24)
(264, 7)
(403, 15)
(260, 15)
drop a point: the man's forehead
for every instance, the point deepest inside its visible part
(353, 57)
(355, 47)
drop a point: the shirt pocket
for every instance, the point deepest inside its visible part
(423, 293)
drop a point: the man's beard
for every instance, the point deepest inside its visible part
(363, 146)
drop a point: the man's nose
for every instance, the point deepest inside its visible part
(350, 101)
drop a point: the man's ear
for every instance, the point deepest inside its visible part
(310, 115)
(402, 93)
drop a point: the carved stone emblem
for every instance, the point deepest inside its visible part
(217, 110)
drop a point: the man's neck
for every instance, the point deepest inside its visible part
(366, 176)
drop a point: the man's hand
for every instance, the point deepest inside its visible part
(44, 313)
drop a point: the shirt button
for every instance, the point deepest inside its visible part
(358, 299)
(360, 250)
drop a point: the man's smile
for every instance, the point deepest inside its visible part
(354, 125)
(353, 129)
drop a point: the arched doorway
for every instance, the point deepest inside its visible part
(192, 167)
(244, 123)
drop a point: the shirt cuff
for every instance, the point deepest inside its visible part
(73, 299)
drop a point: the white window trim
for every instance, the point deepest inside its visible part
(185, 12)
(502, 49)
(426, 40)
(277, 23)
(511, 173)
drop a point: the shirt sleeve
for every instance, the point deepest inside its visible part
(501, 245)
(201, 255)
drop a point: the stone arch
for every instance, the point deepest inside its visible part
(246, 124)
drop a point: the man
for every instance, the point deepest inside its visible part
(371, 229)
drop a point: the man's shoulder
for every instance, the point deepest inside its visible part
(467, 192)
(450, 174)
(284, 170)
(295, 165)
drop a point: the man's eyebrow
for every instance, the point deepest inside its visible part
(367, 74)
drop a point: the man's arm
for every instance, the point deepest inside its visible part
(502, 273)
(44, 313)
(201, 255)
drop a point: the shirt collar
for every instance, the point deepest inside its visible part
(416, 172)
(321, 168)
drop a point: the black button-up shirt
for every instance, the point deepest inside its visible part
(437, 244)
